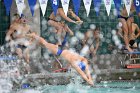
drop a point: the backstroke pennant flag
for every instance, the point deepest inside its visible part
(76, 4)
(55, 4)
(117, 5)
(137, 5)
(43, 6)
(20, 6)
(97, 5)
(32, 4)
(87, 4)
(108, 6)
(65, 5)
(8, 4)
(127, 5)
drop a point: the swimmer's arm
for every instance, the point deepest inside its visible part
(88, 72)
(8, 34)
(62, 14)
(86, 37)
(74, 15)
(90, 81)
(97, 44)
(81, 73)
(138, 31)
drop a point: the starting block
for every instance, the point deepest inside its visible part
(132, 58)
(132, 66)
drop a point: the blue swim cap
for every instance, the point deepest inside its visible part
(24, 86)
(82, 66)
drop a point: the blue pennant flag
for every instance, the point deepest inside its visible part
(137, 5)
(55, 4)
(117, 5)
(76, 4)
(7, 4)
(32, 4)
(97, 5)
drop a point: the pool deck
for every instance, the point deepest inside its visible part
(102, 75)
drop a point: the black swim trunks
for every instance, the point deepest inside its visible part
(132, 42)
(52, 20)
(60, 50)
(23, 47)
(126, 18)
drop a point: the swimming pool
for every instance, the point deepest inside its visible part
(103, 87)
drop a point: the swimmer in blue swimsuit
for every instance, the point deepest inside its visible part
(71, 57)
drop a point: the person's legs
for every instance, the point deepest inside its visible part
(67, 29)
(125, 30)
(26, 55)
(129, 24)
(58, 27)
(19, 52)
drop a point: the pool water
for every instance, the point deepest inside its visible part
(104, 87)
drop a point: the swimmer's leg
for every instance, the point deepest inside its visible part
(65, 39)
(19, 52)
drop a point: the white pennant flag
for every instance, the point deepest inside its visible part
(20, 6)
(87, 4)
(43, 5)
(127, 5)
(65, 5)
(108, 6)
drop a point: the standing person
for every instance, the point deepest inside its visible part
(92, 40)
(56, 21)
(135, 33)
(126, 21)
(79, 63)
(16, 37)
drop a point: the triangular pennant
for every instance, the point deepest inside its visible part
(43, 5)
(127, 5)
(137, 5)
(117, 5)
(97, 5)
(7, 4)
(65, 5)
(32, 4)
(55, 4)
(76, 4)
(20, 6)
(108, 6)
(87, 4)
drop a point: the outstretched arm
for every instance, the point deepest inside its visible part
(8, 34)
(74, 15)
(62, 14)
(84, 76)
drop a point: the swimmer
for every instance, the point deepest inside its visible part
(126, 21)
(79, 63)
(92, 39)
(135, 33)
(59, 25)
(16, 37)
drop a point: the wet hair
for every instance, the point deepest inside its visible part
(97, 29)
